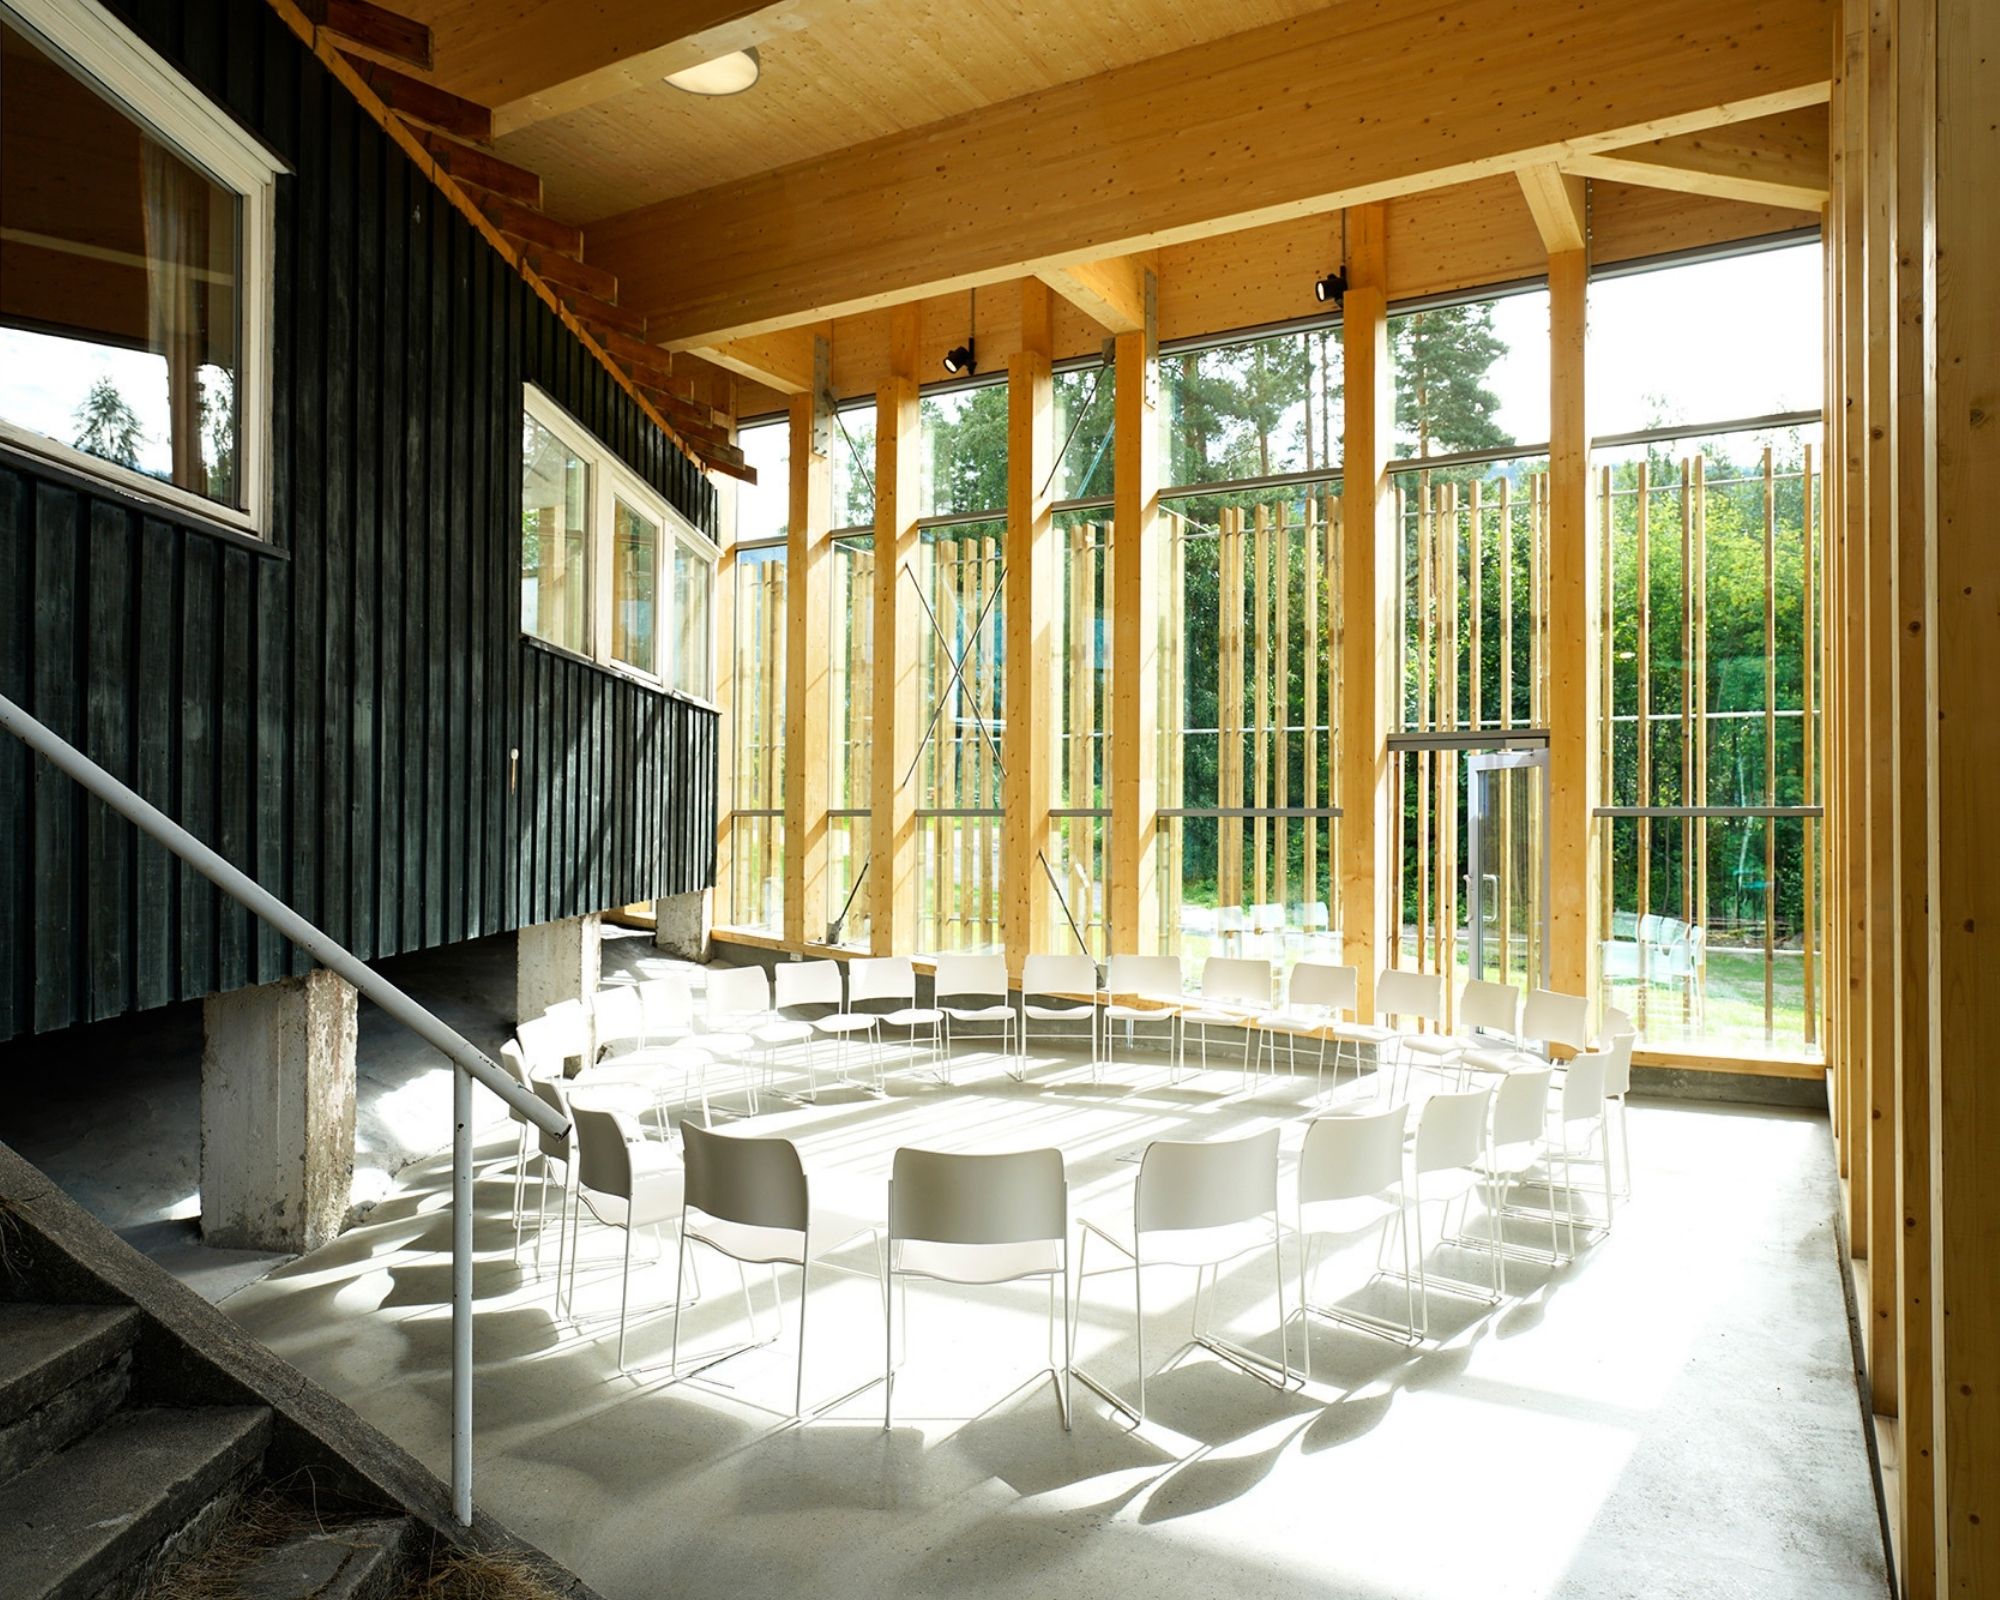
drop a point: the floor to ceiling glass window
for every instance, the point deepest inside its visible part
(754, 895)
(1708, 496)
(1249, 685)
(1471, 509)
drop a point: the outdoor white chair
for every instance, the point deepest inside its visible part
(750, 1200)
(818, 984)
(892, 981)
(624, 1181)
(1144, 991)
(1199, 1206)
(1067, 986)
(978, 1219)
(1234, 991)
(971, 991)
(1451, 1150)
(1352, 1164)
(1315, 995)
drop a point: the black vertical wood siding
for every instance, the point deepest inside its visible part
(336, 710)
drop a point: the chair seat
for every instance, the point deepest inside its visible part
(976, 1263)
(1220, 1017)
(674, 1057)
(1184, 1247)
(1161, 1012)
(1289, 1022)
(746, 1241)
(601, 1090)
(1500, 1060)
(783, 1031)
(915, 1017)
(845, 1022)
(1361, 1032)
(1000, 1012)
(731, 1043)
(1056, 1013)
(1438, 1046)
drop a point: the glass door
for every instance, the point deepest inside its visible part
(1507, 870)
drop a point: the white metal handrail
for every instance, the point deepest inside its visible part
(468, 1059)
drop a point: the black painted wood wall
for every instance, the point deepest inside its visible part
(336, 709)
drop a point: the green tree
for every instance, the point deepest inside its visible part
(107, 427)
(1443, 358)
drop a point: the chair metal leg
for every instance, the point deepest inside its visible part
(805, 1284)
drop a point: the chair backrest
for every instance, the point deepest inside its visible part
(1418, 995)
(881, 978)
(549, 1090)
(1148, 977)
(1616, 1021)
(549, 1041)
(1618, 1064)
(1016, 1198)
(758, 1182)
(620, 1016)
(808, 983)
(1244, 979)
(1185, 1185)
(1496, 1007)
(738, 992)
(1075, 974)
(516, 1068)
(668, 1003)
(1557, 1018)
(1583, 1089)
(1320, 983)
(1345, 1157)
(1313, 917)
(1451, 1130)
(981, 977)
(603, 1159)
(1521, 1106)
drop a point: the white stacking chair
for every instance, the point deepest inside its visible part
(516, 1067)
(624, 1181)
(1348, 1032)
(1315, 995)
(559, 1036)
(818, 984)
(1616, 1041)
(1551, 1018)
(743, 1020)
(1409, 998)
(1235, 990)
(1517, 1142)
(978, 1219)
(978, 985)
(625, 1055)
(1059, 980)
(1580, 1113)
(1488, 1034)
(1144, 991)
(1352, 1163)
(552, 1150)
(1451, 1150)
(668, 1004)
(1199, 1206)
(892, 981)
(749, 1199)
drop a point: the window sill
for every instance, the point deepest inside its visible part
(109, 480)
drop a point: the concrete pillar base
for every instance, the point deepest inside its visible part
(554, 962)
(681, 925)
(277, 1113)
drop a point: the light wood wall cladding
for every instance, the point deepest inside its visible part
(1004, 191)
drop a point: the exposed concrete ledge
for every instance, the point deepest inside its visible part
(52, 1248)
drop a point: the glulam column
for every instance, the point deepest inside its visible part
(1032, 714)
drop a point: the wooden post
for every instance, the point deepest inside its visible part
(807, 756)
(1571, 618)
(1809, 661)
(892, 859)
(1135, 636)
(1031, 704)
(1368, 599)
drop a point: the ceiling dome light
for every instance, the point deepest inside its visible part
(730, 74)
(959, 359)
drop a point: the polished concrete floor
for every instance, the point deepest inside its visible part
(1672, 1414)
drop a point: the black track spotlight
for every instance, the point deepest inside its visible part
(959, 362)
(1331, 289)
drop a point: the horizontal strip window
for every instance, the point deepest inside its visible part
(1311, 478)
(1249, 811)
(1721, 813)
(1760, 245)
(1473, 739)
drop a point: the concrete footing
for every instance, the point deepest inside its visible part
(681, 925)
(277, 1113)
(554, 962)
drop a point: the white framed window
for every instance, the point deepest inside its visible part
(609, 570)
(135, 267)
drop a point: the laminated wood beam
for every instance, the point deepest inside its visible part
(781, 361)
(1111, 293)
(375, 28)
(564, 272)
(537, 227)
(1128, 160)
(1774, 161)
(1556, 201)
(423, 102)
(483, 170)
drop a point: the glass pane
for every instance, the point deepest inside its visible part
(854, 466)
(555, 561)
(1473, 376)
(851, 673)
(757, 874)
(847, 903)
(763, 508)
(965, 450)
(959, 686)
(120, 312)
(1252, 409)
(635, 568)
(757, 680)
(1080, 858)
(1085, 402)
(1083, 685)
(694, 579)
(1756, 348)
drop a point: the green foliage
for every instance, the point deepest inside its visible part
(107, 427)
(1443, 358)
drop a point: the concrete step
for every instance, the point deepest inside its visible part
(362, 1561)
(63, 1370)
(78, 1522)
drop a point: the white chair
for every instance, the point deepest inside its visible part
(1234, 990)
(624, 1181)
(1616, 1041)
(750, 1200)
(817, 984)
(1581, 1107)
(741, 1017)
(1144, 991)
(892, 981)
(1067, 986)
(1199, 1206)
(1408, 997)
(1451, 1150)
(1349, 1162)
(978, 1219)
(1517, 1139)
(624, 1054)
(978, 985)
(1552, 1019)
(1348, 1032)
(668, 1005)
(517, 1069)
(551, 1150)
(557, 1038)
(1315, 995)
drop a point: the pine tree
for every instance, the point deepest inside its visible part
(1442, 358)
(107, 427)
